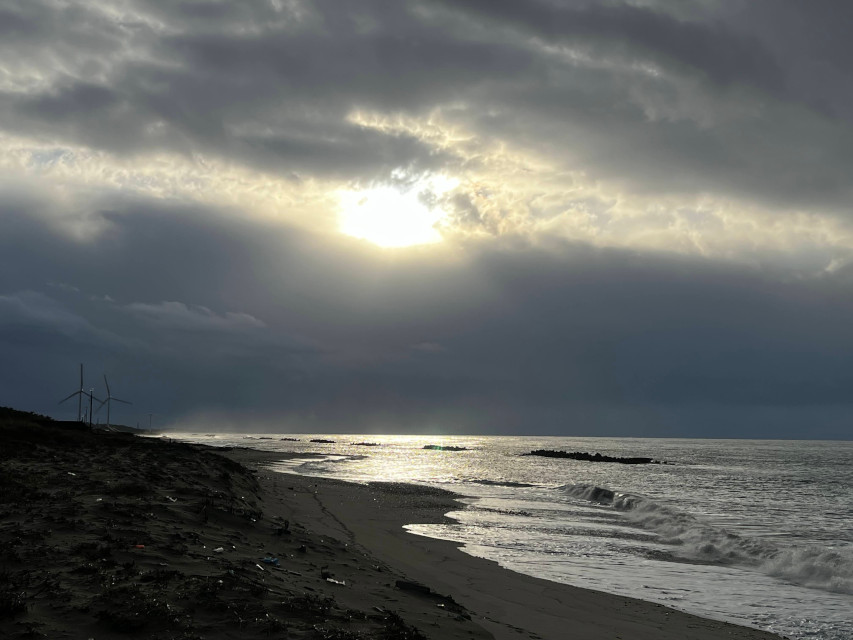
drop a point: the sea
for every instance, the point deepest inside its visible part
(755, 532)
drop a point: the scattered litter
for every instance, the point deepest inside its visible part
(333, 581)
(139, 546)
(379, 609)
(295, 573)
(218, 550)
(270, 560)
(171, 499)
(99, 499)
(71, 473)
(259, 566)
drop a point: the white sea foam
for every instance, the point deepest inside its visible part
(829, 569)
(697, 541)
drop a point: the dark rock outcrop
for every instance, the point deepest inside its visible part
(439, 447)
(588, 457)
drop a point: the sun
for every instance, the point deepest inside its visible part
(391, 216)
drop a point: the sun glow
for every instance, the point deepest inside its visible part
(392, 216)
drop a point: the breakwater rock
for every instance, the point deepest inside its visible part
(588, 457)
(439, 447)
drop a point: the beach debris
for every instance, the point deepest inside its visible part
(219, 550)
(139, 546)
(271, 560)
(171, 499)
(284, 530)
(259, 566)
(339, 582)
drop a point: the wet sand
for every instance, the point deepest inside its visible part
(113, 536)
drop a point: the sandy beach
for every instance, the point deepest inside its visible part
(106, 535)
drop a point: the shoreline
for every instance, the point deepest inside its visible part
(108, 536)
(506, 603)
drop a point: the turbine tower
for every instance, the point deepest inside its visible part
(109, 400)
(79, 393)
(91, 395)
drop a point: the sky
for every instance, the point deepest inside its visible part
(567, 217)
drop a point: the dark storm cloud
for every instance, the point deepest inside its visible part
(31, 316)
(275, 97)
(740, 99)
(717, 110)
(720, 54)
(519, 338)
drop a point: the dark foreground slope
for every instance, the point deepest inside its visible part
(108, 535)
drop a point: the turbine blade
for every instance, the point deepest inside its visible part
(69, 397)
(108, 385)
(120, 400)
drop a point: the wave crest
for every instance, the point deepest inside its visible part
(823, 568)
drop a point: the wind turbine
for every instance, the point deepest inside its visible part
(109, 399)
(79, 393)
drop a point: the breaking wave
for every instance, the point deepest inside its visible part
(826, 568)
